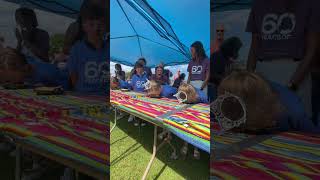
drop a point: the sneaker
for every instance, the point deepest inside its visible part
(130, 119)
(143, 124)
(136, 124)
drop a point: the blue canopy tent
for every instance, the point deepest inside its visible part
(68, 8)
(157, 30)
(230, 5)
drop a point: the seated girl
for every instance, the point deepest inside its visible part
(190, 95)
(270, 107)
(156, 90)
(15, 68)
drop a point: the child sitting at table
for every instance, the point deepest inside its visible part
(15, 68)
(156, 90)
(139, 79)
(137, 84)
(270, 107)
(190, 95)
(88, 63)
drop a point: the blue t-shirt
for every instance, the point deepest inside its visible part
(202, 97)
(168, 91)
(294, 117)
(90, 65)
(137, 82)
(46, 74)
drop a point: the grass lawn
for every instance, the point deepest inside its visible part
(131, 152)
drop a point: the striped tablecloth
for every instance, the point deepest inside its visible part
(74, 127)
(290, 155)
(189, 122)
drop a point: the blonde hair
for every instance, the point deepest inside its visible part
(192, 96)
(262, 105)
(155, 89)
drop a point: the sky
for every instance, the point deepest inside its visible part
(189, 27)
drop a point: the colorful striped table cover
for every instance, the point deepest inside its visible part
(284, 156)
(142, 107)
(77, 105)
(192, 125)
(226, 139)
(168, 113)
(57, 122)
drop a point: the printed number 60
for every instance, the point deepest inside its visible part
(272, 23)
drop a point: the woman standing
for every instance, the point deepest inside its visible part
(199, 67)
(285, 34)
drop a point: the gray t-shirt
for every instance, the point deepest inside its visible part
(198, 70)
(282, 30)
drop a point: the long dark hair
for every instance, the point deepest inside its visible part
(27, 15)
(201, 53)
(230, 47)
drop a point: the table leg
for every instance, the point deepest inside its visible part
(154, 151)
(115, 120)
(18, 163)
(77, 175)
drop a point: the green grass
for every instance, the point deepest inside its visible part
(131, 152)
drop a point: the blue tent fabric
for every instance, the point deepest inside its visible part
(140, 30)
(230, 5)
(68, 8)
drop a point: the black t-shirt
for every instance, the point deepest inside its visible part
(218, 65)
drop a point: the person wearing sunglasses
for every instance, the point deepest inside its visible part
(219, 38)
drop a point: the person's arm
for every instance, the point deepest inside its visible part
(41, 48)
(313, 42)
(19, 40)
(189, 73)
(205, 82)
(252, 58)
(72, 68)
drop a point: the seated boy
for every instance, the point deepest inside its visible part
(88, 63)
(15, 68)
(156, 90)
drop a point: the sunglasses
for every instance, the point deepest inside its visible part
(220, 30)
(147, 85)
(181, 96)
